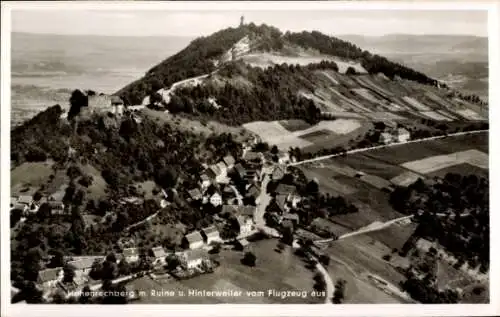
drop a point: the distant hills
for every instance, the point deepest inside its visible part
(461, 61)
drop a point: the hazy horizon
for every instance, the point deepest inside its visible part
(194, 36)
(192, 23)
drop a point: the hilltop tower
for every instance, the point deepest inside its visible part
(242, 21)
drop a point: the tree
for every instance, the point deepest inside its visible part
(77, 101)
(69, 274)
(85, 295)
(57, 259)
(274, 150)
(111, 257)
(123, 268)
(350, 71)
(167, 177)
(172, 262)
(338, 294)
(249, 259)
(324, 259)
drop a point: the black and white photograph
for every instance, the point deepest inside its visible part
(316, 154)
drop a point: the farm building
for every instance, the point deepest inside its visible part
(246, 211)
(294, 218)
(217, 172)
(50, 277)
(25, 200)
(240, 171)
(194, 240)
(159, 255)
(229, 161)
(56, 207)
(193, 258)
(241, 244)
(283, 157)
(402, 135)
(385, 138)
(211, 234)
(131, 255)
(82, 267)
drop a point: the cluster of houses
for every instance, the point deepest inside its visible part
(396, 135)
(28, 205)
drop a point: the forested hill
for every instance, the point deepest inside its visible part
(203, 55)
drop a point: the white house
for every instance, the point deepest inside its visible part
(194, 240)
(385, 138)
(204, 182)
(229, 161)
(50, 277)
(402, 135)
(159, 255)
(216, 199)
(193, 258)
(211, 234)
(245, 223)
(117, 105)
(131, 255)
(25, 200)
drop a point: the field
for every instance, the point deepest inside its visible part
(286, 134)
(436, 163)
(97, 189)
(31, 176)
(356, 257)
(278, 271)
(270, 59)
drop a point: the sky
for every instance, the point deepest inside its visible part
(199, 23)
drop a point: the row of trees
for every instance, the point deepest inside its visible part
(464, 232)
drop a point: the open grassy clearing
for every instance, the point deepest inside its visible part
(373, 205)
(476, 294)
(364, 255)
(449, 277)
(269, 59)
(279, 271)
(436, 163)
(327, 181)
(97, 189)
(196, 126)
(30, 175)
(357, 289)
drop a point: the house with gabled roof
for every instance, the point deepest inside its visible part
(131, 255)
(290, 192)
(245, 224)
(283, 157)
(402, 135)
(159, 255)
(211, 234)
(204, 182)
(229, 161)
(50, 277)
(82, 267)
(240, 171)
(229, 209)
(194, 240)
(193, 258)
(385, 138)
(195, 194)
(246, 211)
(25, 199)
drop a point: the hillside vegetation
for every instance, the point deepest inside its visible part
(199, 56)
